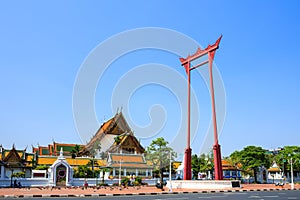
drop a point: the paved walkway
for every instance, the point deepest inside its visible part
(116, 191)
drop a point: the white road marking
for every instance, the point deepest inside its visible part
(173, 198)
(275, 196)
(292, 197)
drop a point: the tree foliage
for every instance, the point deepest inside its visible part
(75, 150)
(251, 158)
(284, 157)
(96, 149)
(202, 163)
(83, 171)
(41, 167)
(160, 154)
(18, 175)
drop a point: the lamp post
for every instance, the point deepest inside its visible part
(170, 173)
(283, 171)
(11, 177)
(120, 172)
(292, 173)
(210, 51)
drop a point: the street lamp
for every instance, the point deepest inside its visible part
(210, 51)
(170, 173)
(283, 171)
(11, 177)
(292, 173)
(120, 172)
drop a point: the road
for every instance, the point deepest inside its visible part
(263, 195)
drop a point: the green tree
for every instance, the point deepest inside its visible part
(201, 163)
(75, 151)
(117, 139)
(234, 159)
(33, 163)
(283, 158)
(159, 154)
(18, 175)
(41, 167)
(93, 163)
(83, 171)
(251, 158)
(93, 152)
(195, 165)
(206, 162)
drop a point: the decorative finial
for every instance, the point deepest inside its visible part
(61, 153)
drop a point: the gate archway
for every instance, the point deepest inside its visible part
(61, 175)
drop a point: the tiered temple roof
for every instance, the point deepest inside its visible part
(53, 149)
(114, 136)
(16, 158)
(226, 165)
(127, 161)
(274, 168)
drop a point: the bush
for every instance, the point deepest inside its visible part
(19, 175)
(138, 179)
(41, 167)
(125, 181)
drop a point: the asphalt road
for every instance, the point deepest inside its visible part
(264, 195)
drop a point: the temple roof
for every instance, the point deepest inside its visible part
(127, 141)
(127, 160)
(116, 126)
(53, 149)
(226, 165)
(49, 160)
(274, 168)
(13, 157)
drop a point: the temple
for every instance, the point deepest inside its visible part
(112, 146)
(15, 161)
(114, 136)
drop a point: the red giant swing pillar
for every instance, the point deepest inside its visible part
(210, 52)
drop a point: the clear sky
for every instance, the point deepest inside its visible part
(43, 45)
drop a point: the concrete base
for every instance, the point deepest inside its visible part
(201, 184)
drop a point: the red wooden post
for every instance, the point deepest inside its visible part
(187, 174)
(210, 50)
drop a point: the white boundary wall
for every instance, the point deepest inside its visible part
(43, 182)
(199, 184)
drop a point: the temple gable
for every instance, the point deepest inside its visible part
(114, 135)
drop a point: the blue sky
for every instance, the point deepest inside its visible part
(43, 46)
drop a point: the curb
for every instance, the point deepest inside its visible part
(143, 193)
